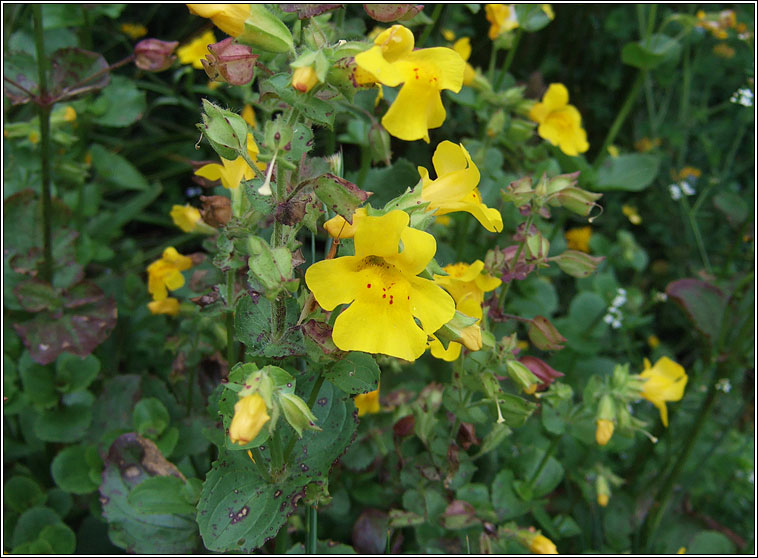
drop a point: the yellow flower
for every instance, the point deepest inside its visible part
(134, 30)
(304, 79)
(196, 50)
(646, 144)
(665, 382)
(631, 214)
(338, 227)
(231, 173)
(723, 50)
(542, 545)
(381, 285)
(455, 188)
(548, 9)
(463, 47)
(653, 341)
(602, 500)
(502, 18)
(688, 172)
(230, 18)
(603, 431)
(559, 122)
(682, 550)
(34, 137)
(467, 285)
(248, 115)
(424, 73)
(168, 306)
(579, 238)
(186, 217)
(448, 34)
(367, 403)
(250, 415)
(166, 273)
(69, 114)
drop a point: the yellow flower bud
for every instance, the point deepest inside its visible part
(542, 545)
(185, 217)
(304, 78)
(604, 431)
(249, 417)
(168, 306)
(602, 500)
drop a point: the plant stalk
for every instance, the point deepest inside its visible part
(311, 529)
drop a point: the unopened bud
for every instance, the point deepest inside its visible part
(519, 192)
(539, 544)
(603, 432)
(297, 413)
(304, 79)
(603, 490)
(225, 130)
(233, 63)
(496, 123)
(520, 130)
(544, 334)
(154, 55)
(577, 200)
(461, 329)
(537, 247)
(561, 182)
(250, 415)
(542, 370)
(522, 376)
(578, 264)
(265, 31)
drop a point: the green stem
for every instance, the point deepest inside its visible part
(231, 347)
(504, 292)
(696, 233)
(620, 117)
(44, 110)
(655, 515)
(311, 529)
(258, 462)
(508, 59)
(493, 63)
(275, 445)
(311, 401)
(548, 454)
(428, 29)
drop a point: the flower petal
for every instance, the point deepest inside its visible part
(450, 157)
(334, 282)
(556, 97)
(380, 236)
(430, 304)
(417, 108)
(450, 354)
(444, 65)
(418, 250)
(388, 73)
(211, 171)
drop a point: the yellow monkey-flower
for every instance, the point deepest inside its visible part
(424, 73)
(166, 274)
(381, 285)
(231, 173)
(664, 382)
(455, 188)
(559, 122)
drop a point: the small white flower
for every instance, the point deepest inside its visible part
(608, 319)
(675, 192)
(616, 324)
(724, 385)
(661, 297)
(686, 188)
(621, 291)
(743, 96)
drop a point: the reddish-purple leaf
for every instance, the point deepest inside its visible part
(703, 303)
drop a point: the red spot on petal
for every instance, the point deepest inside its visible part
(384, 296)
(368, 286)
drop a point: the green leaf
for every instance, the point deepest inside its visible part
(60, 537)
(107, 223)
(66, 424)
(116, 169)
(505, 501)
(150, 417)
(710, 543)
(550, 476)
(113, 408)
(130, 461)
(631, 172)
(160, 495)
(120, 104)
(651, 53)
(31, 522)
(515, 409)
(356, 373)
(319, 111)
(703, 304)
(732, 206)
(339, 195)
(38, 382)
(71, 470)
(239, 510)
(22, 493)
(74, 373)
(531, 17)
(252, 326)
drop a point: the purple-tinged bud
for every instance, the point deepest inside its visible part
(544, 334)
(230, 62)
(154, 55)
(577, 264)
(546, 374)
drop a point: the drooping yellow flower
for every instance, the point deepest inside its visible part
(424, 73)
(250, 414)
(631, 214)
(304, 78)
(603, 431)
(231, 173)
(559, 122)
(467, 285)
(133, 30)
(542, 545)
(455, 188)
(463, 47)
(230, 18)
(664, 382)
(186, 217)
(502, 18)
(367, 403)
(168, 306)
(248, 115)
(166, 274)
(381, 285)
(579, 238)
(196, 50)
